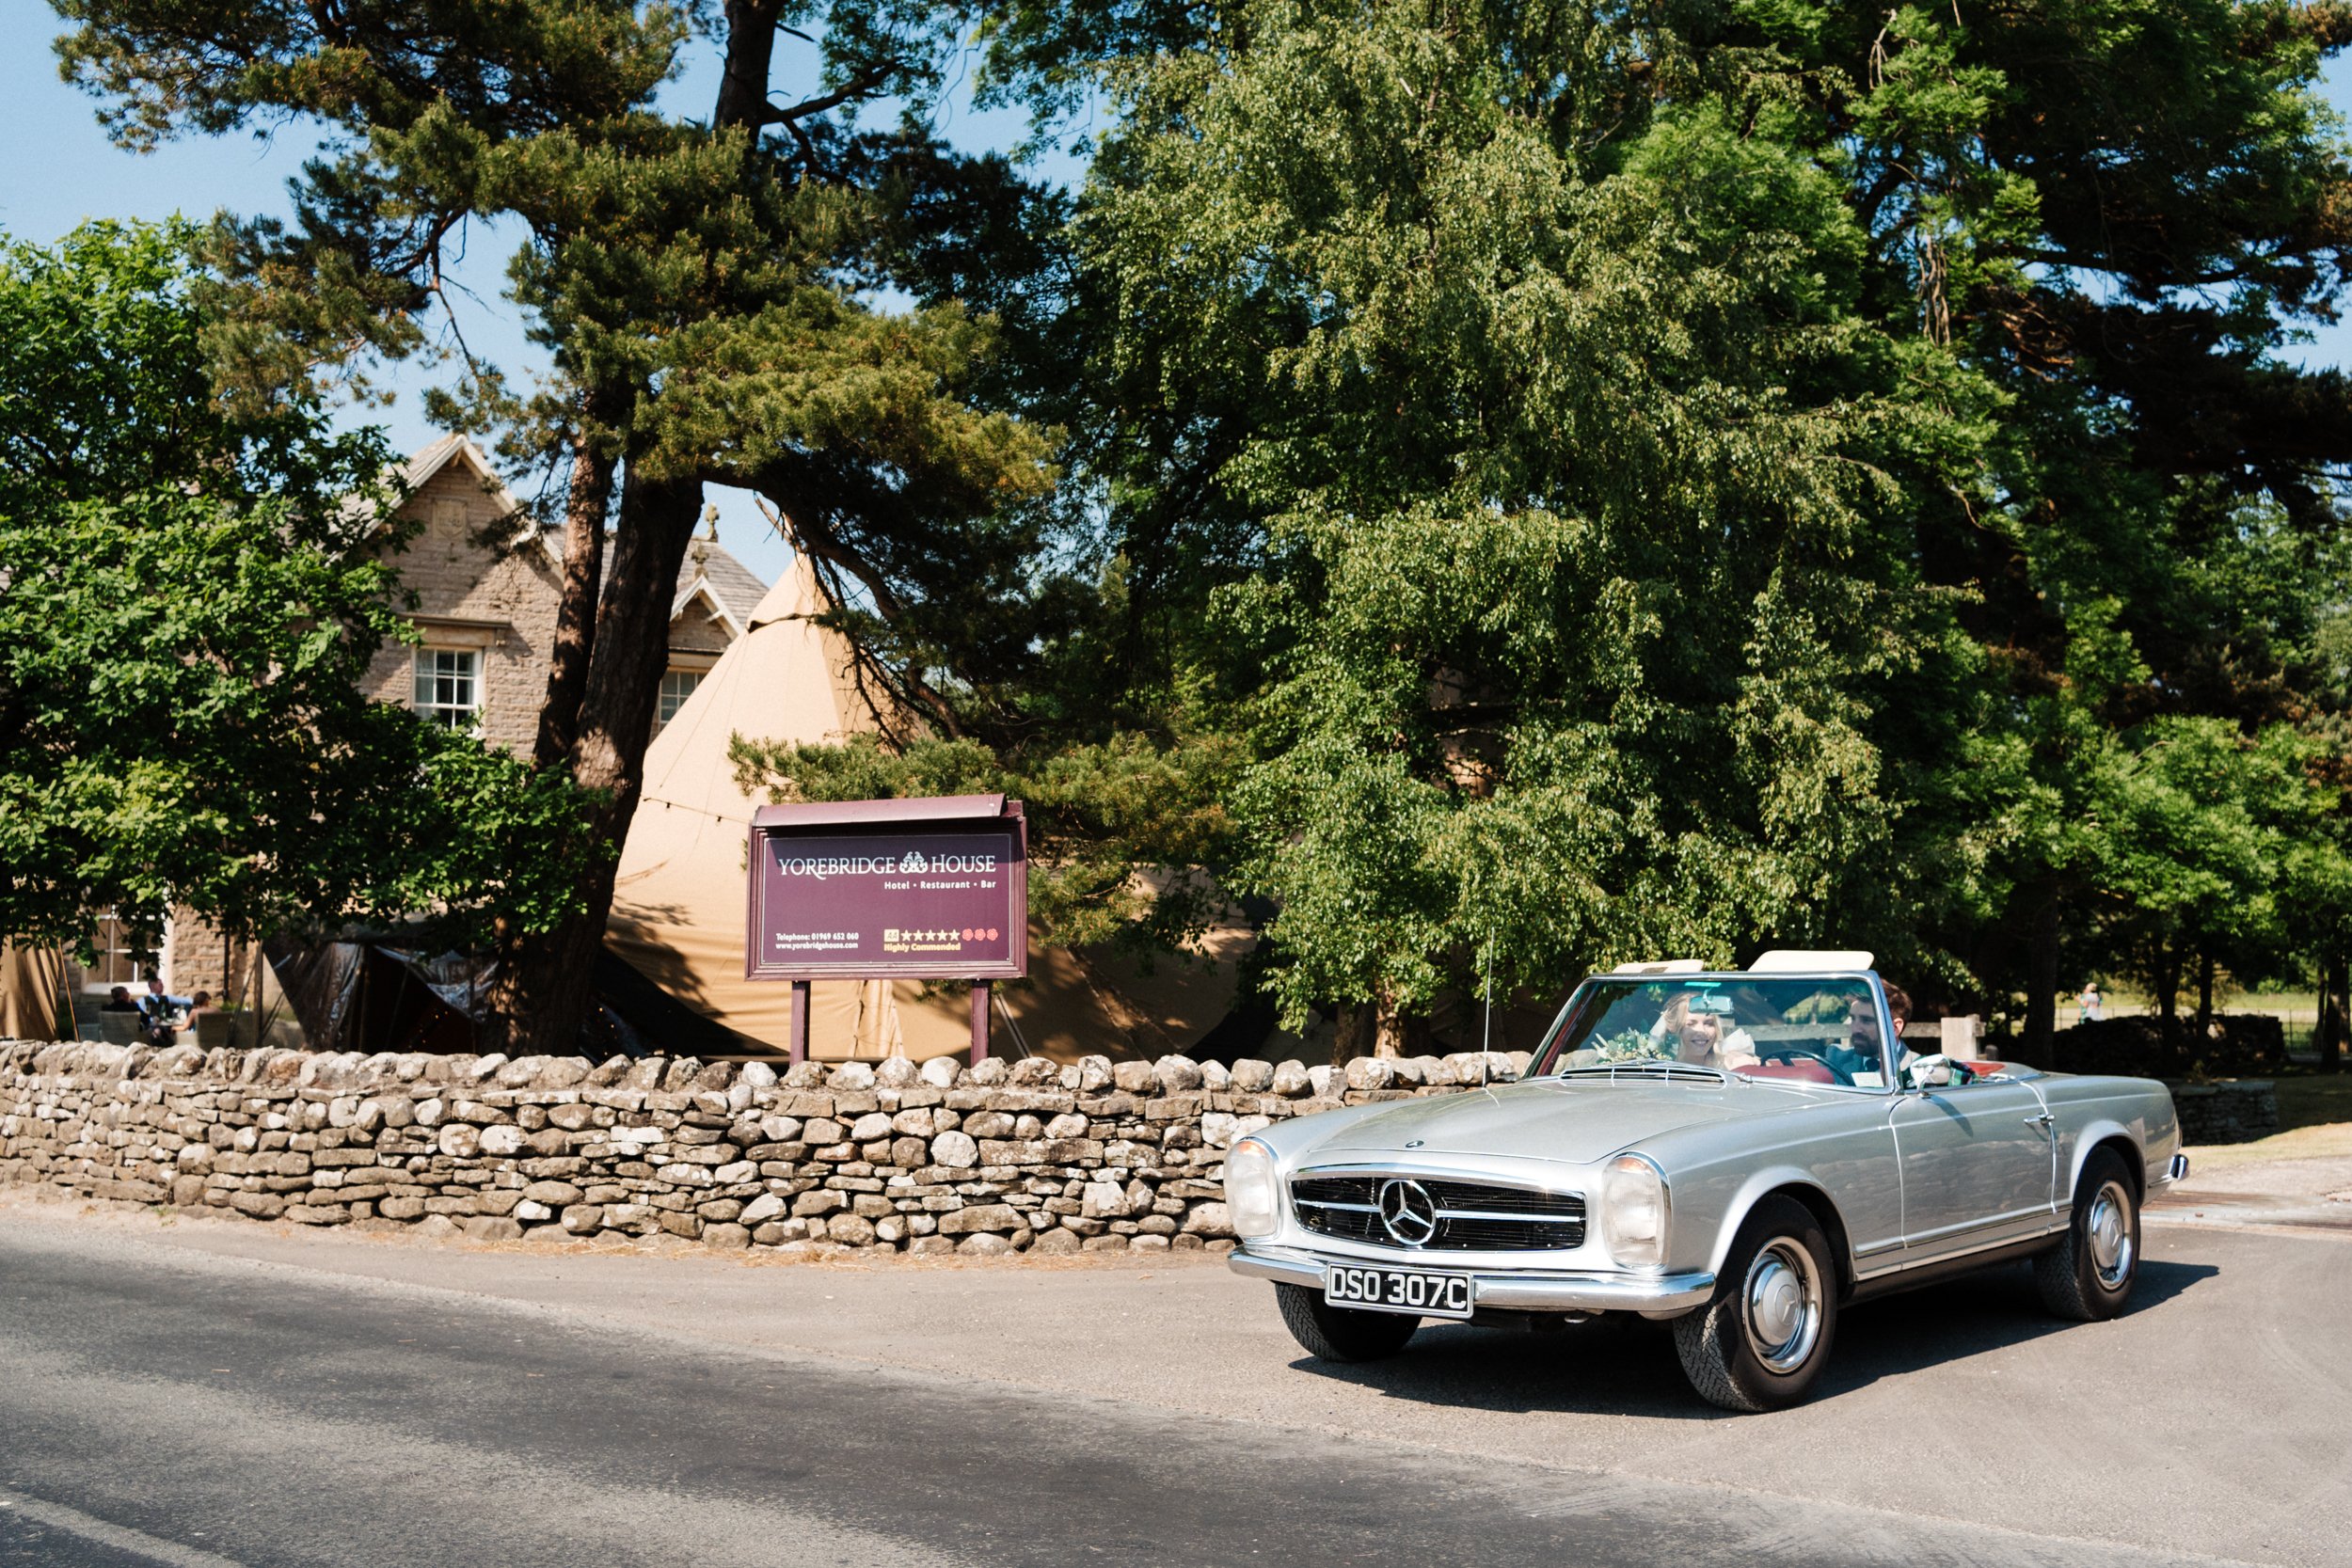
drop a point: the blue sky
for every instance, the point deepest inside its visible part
(64, 170)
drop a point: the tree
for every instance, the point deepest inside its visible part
(1578, 480)
(697, 283)
(189, 596)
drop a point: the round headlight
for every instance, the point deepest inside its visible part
(1251, 1199)
(1633, 1212)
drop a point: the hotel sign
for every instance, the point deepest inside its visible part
(869, 890)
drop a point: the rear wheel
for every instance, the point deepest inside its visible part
(1341, 1333)
(2088, 1275)
(1763, 1341)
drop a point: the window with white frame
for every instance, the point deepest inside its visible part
(449, 686)
(676, 686)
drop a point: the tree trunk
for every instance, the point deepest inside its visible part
(576, 620)
(2042, 968)
(2204, 995)
(1395, 1032)
(2336, 971)
(743, 79)
(1352, 1032)
(544, 991)
(2168, 979)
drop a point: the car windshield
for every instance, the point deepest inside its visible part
(1817, 1030)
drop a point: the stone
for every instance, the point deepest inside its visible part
(850, 1230)
(766, 1205)
(1252, 1076)
(984, 1246)
(260, 1206)
(439, 1227)
(1147, 1243)
(916, 1123)
(583, 1219)
(909, 1152)
(1156, 1224)
(1321, 1078)
(1103, 1200)
(869, 1126)
(688, 1226)
(988, 1124)
(1104, 1243)
(1370, 1073)
(726, 1237)
(529, 1213)
(493, 1228)
(1216, 1129)
(459, 1141)
(758, 1075)
(1094, 1074)
(926, 1244)
(939, 1072)
(1290, 1080)
(501, 1142)
(816, 1202)
(722, 1210)
(1134, 1077)
(895, 1072)
(955, 1150)
(1208, 1219)
(1056, 1241)
(850, 1075)
(983, 1217)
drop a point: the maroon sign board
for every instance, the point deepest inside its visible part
(930, 889)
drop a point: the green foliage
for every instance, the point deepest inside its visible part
(189, 601)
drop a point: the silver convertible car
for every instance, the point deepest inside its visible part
(1742, 1152)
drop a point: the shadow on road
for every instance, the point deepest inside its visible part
(1624, 1365)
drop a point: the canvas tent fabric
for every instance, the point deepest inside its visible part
(679, 893)
(34, 1004)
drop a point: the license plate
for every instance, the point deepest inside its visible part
(1414, 1290)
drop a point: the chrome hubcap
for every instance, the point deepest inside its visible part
(2109, 1229)
(1783, 1297)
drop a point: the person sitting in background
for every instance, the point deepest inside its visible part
(159, 1011)
(118, 1002)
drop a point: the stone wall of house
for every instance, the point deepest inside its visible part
(511, 596)
(936, 1157)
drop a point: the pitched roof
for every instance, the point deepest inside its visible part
(733, 586)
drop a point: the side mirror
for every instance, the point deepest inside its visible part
(1930, 1073)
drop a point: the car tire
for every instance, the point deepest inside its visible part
(1341, 1333)
(1763, 1339)
(2089, 1275)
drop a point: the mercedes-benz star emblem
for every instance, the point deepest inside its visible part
(1408, 1213)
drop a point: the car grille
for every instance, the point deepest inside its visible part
(1473, 1216)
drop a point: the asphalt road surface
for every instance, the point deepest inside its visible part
(212, 1394)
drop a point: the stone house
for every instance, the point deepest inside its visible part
(486, 613)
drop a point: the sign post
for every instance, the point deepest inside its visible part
(932, 889)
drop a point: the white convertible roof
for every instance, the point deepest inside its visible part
(1786, 960)
(1663, 966)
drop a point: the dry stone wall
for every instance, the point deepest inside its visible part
(941, 1157)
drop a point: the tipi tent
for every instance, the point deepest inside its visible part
(678, 901)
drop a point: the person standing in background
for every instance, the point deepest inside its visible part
(2093, 1004)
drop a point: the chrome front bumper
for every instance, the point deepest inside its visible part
(1520, 1290)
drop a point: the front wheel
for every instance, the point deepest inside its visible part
(1763, 1341)
(2088, 1277)
(1341, 1333)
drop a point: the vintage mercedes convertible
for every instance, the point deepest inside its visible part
(1742, 1152)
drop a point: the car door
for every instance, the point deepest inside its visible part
(1977, 1163)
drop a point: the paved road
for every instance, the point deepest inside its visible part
(206, 1394)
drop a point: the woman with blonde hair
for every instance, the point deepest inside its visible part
(1699, 1025)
